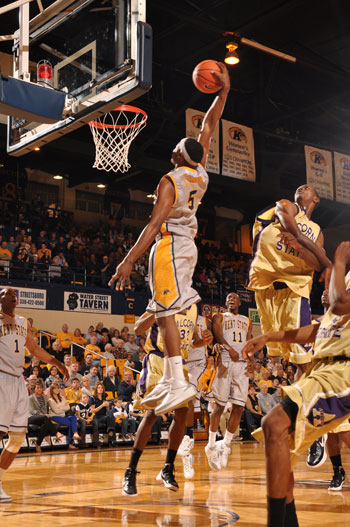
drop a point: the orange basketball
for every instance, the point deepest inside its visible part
(203, 77)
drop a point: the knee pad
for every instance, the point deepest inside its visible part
(14, 442)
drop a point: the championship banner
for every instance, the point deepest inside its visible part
(29, 298)
(319, 171)
(342, 177)
(194, 120)
(87, 302)
(238, 159)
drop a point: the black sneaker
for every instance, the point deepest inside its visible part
(317, 453)
(167, 476)
(129, 482)
(338, 479)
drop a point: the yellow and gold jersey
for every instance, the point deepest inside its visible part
(13, 336)
(190, 186)
(274, 261)
(333, 335)
(186, 324)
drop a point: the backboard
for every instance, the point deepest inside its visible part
(99, 52)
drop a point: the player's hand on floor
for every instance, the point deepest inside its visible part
(122, 275)
(252, 346)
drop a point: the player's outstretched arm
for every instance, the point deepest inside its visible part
(38, 352)
(214, 113)
(339, 297)
(219, 337)
(286, 212)
(161, 210)
(302, 335)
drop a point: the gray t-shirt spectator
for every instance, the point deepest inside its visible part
(266, 402)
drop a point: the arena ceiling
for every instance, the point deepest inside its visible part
(287, 105)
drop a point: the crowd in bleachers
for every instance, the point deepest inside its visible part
(42, 248)
(98, 396)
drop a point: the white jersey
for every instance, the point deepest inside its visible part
(190, 185)
(199, 353)
(235, 330)
(13, 336)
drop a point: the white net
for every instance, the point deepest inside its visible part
(113, 133)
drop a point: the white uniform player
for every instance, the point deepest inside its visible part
(231, 330)
(15, 335)
(231, 383)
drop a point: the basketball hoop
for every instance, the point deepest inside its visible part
(113, 134)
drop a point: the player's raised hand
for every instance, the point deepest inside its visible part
(223, 77)
(207, 337)
(252, 346)
(342, 254)
(122, 275)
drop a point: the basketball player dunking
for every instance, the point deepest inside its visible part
(174, 255)
(15, 335)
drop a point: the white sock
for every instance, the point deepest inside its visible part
(166, 372)
(212, 439)
(176, 368)
(228, 438)
(2, 472)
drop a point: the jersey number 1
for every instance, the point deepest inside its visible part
(190, 201)
(17, 349)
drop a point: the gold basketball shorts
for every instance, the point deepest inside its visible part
(282, 309)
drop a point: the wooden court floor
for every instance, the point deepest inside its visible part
(84, 488)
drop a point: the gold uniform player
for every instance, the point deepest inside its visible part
(15, 335)
(318, 402)
(288, 247)
(173, 225)
(152, 373)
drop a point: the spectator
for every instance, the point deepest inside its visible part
(100, 406)
(109, 352)
(90, 331)
(127, 387)
(120, 353)
(93, 348)
(93, 374)
(253, 413)
(54, 378)
(86, 417)
(258, 371)
(131, 347)
(5, 255)
(38, 415)
(124, 333)
(31, 382)
(129, 363)
(73, 393)
(278, 395)
(107, 271)
(112, 380)
(266, 400)
(123, 421)
(73, 373)
(85, 368)
(68, 361)
(35, 362)
(65, 337)
(58, 406)
(35, 332)
(266, 379)
(86, 385)
(115, 337)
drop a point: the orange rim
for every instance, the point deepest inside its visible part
(123, 108)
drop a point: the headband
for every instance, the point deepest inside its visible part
(181, 146)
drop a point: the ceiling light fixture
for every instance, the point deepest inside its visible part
(57, 176)
(231, 58)
(37, 148)
(101, 185)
